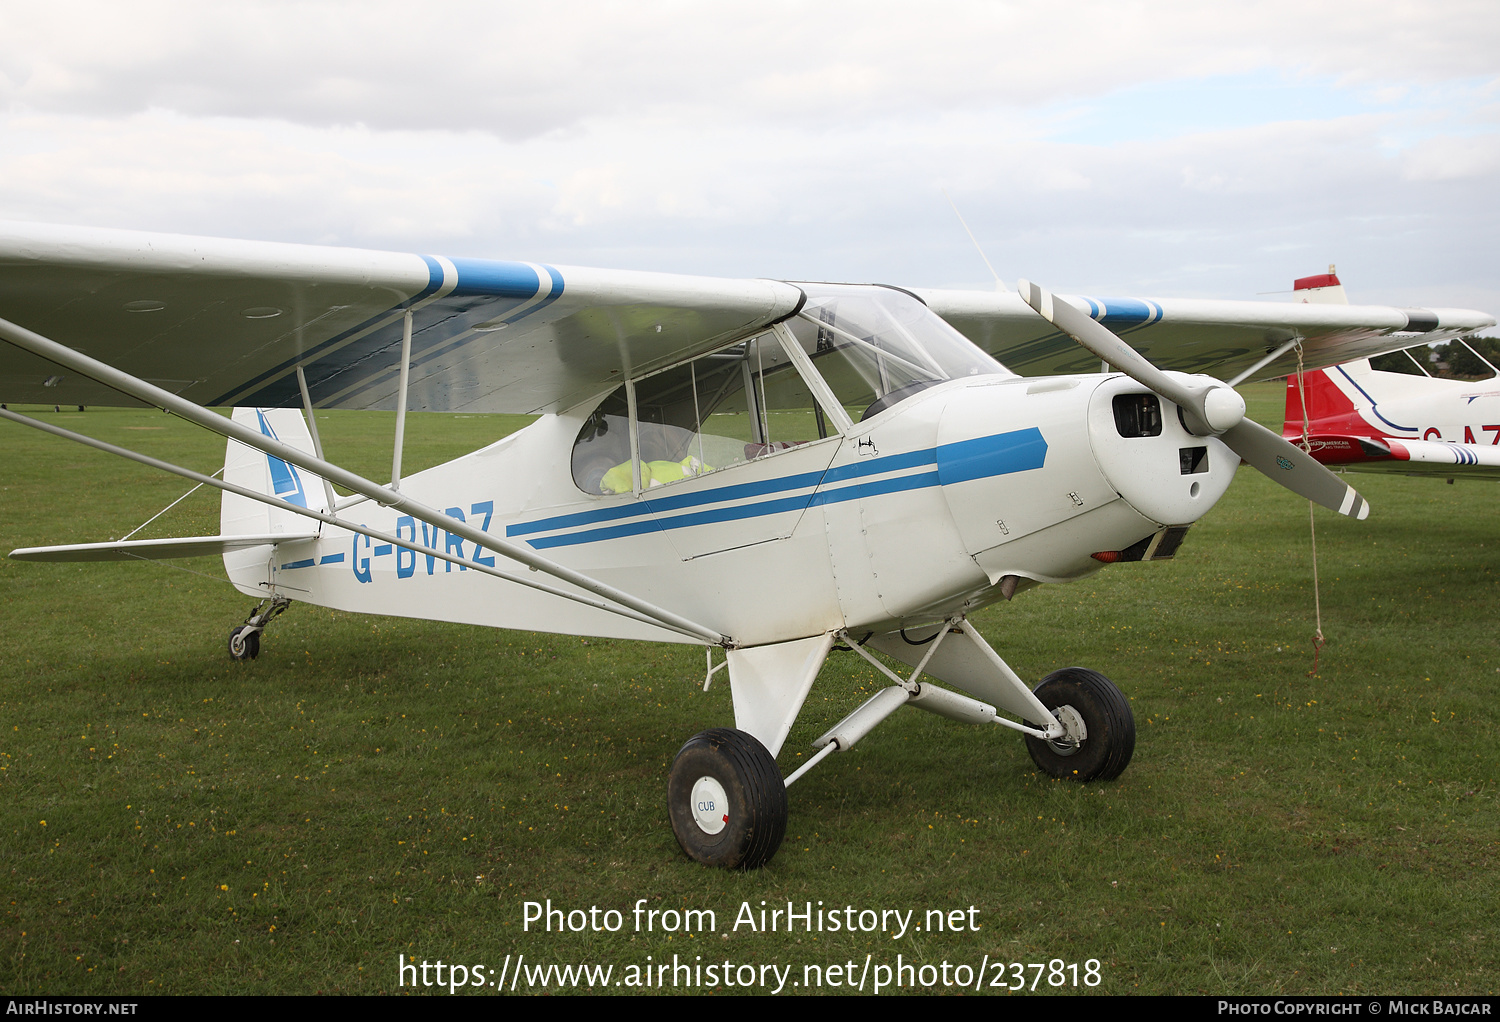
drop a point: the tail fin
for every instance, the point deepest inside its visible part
(1329, 409)
(1320, 289)
(247, 467)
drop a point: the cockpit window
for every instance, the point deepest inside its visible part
(718, 411)
(877, 346)
(873, 347)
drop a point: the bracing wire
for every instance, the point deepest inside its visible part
(169, 507)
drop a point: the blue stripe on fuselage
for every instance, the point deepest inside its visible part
(738, 491)
(991, 456)
(982, 457)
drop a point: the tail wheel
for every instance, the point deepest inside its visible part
(726, 800)
(243, 645)
(1100, 729)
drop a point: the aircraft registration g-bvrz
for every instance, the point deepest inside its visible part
(768, 467)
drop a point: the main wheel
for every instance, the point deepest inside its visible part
(727, 800)
(242, 646)
(1100, 729)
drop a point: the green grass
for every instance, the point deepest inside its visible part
(372, 787)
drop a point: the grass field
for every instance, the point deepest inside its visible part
(374, 787)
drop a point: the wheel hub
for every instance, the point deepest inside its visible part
(710, 805)
(1074, 731)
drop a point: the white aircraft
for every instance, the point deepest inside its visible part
(767, 467)
(1363, 419)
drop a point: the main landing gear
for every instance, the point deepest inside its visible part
(1099, 729)
(244, 640)
(727, 799)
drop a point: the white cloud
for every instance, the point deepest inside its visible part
(1082, 141)
(1448, 158)
(517, 69)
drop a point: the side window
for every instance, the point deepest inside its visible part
(603, 443)
(720, 410)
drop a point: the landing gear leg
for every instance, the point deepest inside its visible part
(244, 640)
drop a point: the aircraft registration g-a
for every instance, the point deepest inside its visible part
(1365, 419)
(765, 466)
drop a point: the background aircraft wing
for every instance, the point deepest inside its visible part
(226, 322)
(1221, 338)
(1406, 457)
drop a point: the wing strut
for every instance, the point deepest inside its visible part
(153, 395)
(1271, 357)
(312, 429)
(401, 398)
(265, 498)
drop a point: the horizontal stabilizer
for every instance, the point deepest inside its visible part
(153, 549)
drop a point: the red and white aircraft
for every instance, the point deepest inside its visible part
(1364, 419)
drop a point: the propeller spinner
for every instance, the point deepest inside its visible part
(1209, 408)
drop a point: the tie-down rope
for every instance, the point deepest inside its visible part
(1312, 525)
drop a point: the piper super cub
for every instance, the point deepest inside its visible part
(764, 466)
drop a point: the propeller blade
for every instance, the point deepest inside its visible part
(1211, 408)
(1294, 468)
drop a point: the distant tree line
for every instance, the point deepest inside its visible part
(1450, 361)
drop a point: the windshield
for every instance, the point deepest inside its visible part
(876, 346)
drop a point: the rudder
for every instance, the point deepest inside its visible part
(254, 470)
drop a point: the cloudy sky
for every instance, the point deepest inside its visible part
(1153, 148)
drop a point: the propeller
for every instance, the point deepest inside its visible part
(1210, 407)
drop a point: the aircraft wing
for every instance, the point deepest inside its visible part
(226, 322)
(1221, 338)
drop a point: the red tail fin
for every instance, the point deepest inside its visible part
(1328, 410)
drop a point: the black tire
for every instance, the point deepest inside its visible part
(1105, 753)
(247, 648)
(754, 816)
